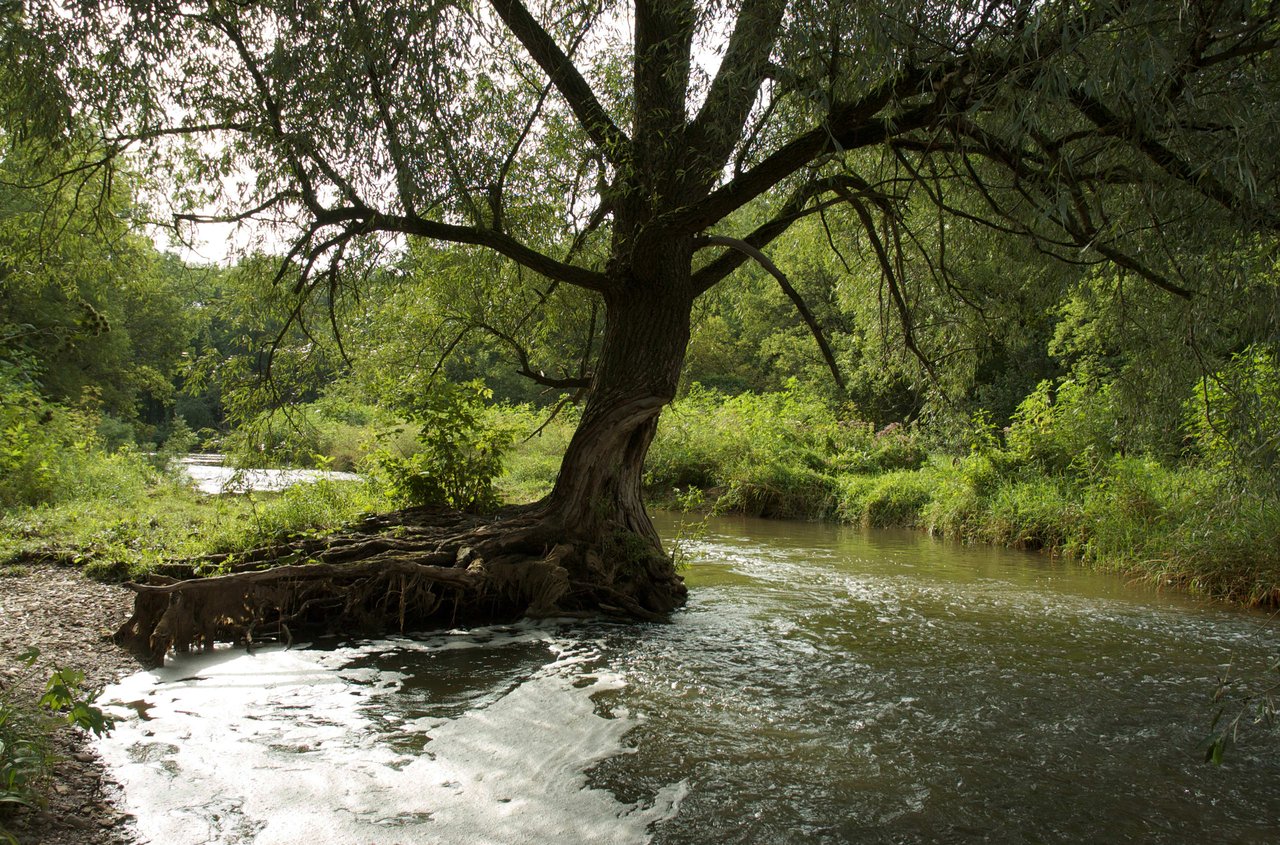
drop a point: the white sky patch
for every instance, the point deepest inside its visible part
(292, 747)
(274, 230)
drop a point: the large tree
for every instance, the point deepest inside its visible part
(644, 151)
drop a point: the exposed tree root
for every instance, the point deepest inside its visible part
(410, 570)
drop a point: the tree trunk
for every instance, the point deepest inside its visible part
(639, 369)
(589, 547)
(597, 496)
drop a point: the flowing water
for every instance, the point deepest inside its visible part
(210, 474)
(824, 685)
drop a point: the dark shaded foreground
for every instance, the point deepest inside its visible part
(69, 618)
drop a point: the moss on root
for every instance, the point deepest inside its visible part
(412, 570)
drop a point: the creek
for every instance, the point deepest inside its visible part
(210, 474)
(824, 685)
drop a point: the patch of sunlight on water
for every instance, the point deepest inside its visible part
(311, 746)
(824, 685)
(209, 475)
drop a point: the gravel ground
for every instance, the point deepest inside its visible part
(70, 619)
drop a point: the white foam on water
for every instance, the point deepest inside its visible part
(279, 748)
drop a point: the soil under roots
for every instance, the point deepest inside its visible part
(414, 569)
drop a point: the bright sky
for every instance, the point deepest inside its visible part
(219, 243)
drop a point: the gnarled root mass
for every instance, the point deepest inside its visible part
(411, 570)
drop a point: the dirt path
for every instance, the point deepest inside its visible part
(70, 620)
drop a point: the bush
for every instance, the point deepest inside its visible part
(957, 503)
(893, 447)
(314, 506)
(43, 445)
(310, 435)
(1069, 428)
(770, 453)
(531, 466)
(26, 723)
(1221, 542)
(458, 454)
(1235, 417)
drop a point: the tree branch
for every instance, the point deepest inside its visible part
(542, 48)
(891, 278)
(1110, 123)
(500, 242)
(720, 121)
(794, 295)
(847, 128)
(571, 382)
(792, 210)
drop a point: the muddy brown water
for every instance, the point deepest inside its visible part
(824, 685)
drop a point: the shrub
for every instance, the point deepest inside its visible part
(531, 466)
(26, 723)
(1235, 417)
(956, 504)
(302, 508)
(1067, 428)
(893, 447)
(43, 445)
(770, 453)
(1223, 542)
(458, 455)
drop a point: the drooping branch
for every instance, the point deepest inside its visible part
(793, 210)
(802, 307)
(369, 220)
(526, 370)
(275, 115)
(892, 280)
(1109, 122)
(395, 146)
(1077, 224)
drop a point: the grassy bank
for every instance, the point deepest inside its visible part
(1181, 527)
(150, 517)
(1052, 481)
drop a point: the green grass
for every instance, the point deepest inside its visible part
(894, 498)
(529, 468)
(124, 534)
(779, 455)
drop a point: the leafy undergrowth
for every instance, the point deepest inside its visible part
(125, 534)
(29, 716)
(1051, 482)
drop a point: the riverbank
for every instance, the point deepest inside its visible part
(1052, 482)
(1130, 510)
(1175, 528)
(69, 618)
